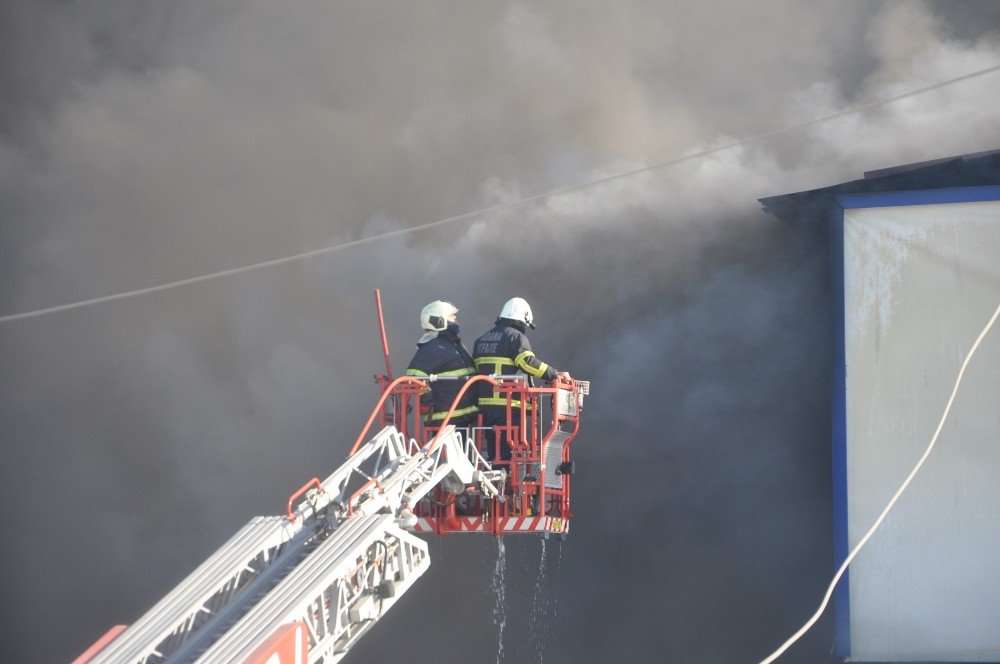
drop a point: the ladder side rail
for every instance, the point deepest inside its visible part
(407, 483)
(407, 479)
(247, 632)
(429, 471)
(338, 561)
(181, 606)
(174, 620)
(165, 627)
(335, 485)
(213, 628)
(389, 476)
(388, 450)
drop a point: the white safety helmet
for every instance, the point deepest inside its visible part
(516, 308)
(434, 317)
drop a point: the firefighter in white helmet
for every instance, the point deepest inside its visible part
(505, 350)
(440, 353)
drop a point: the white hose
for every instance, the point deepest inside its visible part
(843, 567)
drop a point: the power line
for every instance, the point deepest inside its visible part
(493, 208)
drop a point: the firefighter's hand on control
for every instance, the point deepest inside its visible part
(564, 377)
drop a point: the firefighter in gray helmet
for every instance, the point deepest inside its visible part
(505, 350)
(440, 353)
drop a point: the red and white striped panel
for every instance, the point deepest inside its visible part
(512, 524)
(539, 524)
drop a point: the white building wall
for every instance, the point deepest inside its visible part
(920, 282)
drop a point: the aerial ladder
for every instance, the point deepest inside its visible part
(305, 586)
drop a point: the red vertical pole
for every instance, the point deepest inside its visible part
(539, 433)
(381, 328)
(385, 379)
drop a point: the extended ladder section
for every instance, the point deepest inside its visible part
(304, 587)
(334, 564)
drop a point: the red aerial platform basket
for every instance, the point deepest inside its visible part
(536, 496)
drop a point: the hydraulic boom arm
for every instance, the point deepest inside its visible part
(333, 565)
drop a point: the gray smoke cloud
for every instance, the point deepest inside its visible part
(146, 142)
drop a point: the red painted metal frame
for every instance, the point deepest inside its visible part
(381, 328)
(404, 413)
(527, 451)
(314, 482)
(390, 390)
(100, 644)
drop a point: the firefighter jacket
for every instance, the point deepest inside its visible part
(505, 350)
(444, 355)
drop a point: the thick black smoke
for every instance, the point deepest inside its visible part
(146, 142)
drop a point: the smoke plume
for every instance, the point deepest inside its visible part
(146, 142)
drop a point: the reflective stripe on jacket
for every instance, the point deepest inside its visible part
(444, 355)
(505, 350)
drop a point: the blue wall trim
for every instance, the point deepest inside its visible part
(842, 599)
(919, 197)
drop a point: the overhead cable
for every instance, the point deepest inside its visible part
(854, 552)
(493, 208)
